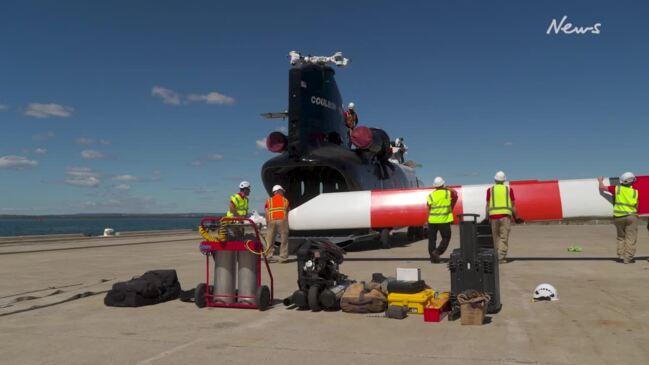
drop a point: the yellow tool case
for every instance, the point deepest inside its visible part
(415, 302)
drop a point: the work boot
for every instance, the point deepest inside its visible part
(502, 261)
(283, 260)
(630, 261)
(434, 258)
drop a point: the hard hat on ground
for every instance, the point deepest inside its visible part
(546, 291)
(500, 176)
(627, 178)
(244, 185)
(438, 182)
(277, 188)
(351, 106)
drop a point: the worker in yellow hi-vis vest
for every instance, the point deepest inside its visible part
(441, 202)
(239, 201)
(239, 207)
(501, 210)
(277, 221)
(625, 215)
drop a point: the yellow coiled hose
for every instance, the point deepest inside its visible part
(262, 252)
(222, 236)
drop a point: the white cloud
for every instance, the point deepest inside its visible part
(43, 136)
(211, 98)
(261, 143)
(125, 178)
(123, 187)
(168, 96)
(85, 141)
(16, 162)
(4, 107)
(40, 151)
(125, 203)
(196, 163)
(215, 157)
(82, 176)
(26, 210)
(508, 144)
(37, 110)
(105, 142)
(282, 129)
(156, 176)
(91, 154)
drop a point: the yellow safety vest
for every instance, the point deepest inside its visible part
(441, 211)
(241, 204)
(626, 201)
(500, 203)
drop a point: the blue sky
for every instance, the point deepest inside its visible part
(153, 106)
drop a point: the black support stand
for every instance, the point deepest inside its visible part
(475, 264)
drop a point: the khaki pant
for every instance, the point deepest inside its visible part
(627, 236)
(500, 229)
(282, 227)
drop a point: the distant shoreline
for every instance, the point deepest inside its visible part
(123, 234)
(91, 225)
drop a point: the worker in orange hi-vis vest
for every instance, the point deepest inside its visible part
(277, 220)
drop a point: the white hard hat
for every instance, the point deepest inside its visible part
(500, 176)
(627, 178)
(438, 182)
(277, 188)
(351, 106)
(244, 184)
(546, 291)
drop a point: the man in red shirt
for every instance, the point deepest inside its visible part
(501, 210)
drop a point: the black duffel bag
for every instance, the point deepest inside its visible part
(153, 287)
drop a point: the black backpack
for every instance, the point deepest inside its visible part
(153, 287)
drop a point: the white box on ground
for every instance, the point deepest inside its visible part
(407, 274)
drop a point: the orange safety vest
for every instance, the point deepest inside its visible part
(277, 207)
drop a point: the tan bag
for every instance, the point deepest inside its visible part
(473, 308)
(364, 298)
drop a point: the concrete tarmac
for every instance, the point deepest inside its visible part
(602, 315)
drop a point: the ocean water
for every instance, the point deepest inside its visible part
(93, 225)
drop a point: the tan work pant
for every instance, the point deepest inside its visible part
(500, 229)
(627, 236)
(282, 227)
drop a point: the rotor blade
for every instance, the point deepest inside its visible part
(275, 115)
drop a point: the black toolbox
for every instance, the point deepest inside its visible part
(474, 266)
